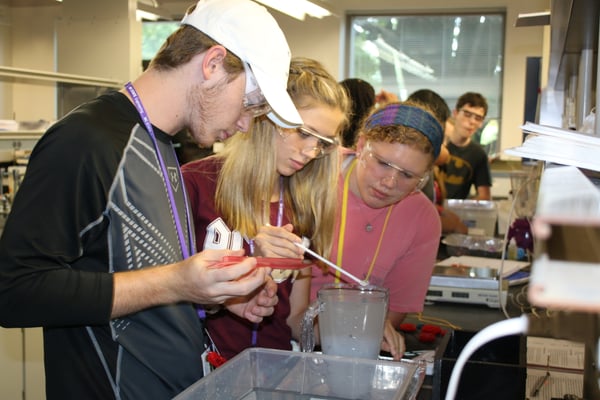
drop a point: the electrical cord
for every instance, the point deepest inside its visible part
(534, 175)
(437, 321)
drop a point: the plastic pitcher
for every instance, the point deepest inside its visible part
(351, 320)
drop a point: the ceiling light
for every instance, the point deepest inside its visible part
(533, 19)
(151, 13)
(142, 15)
(314, 10)
(297, 8)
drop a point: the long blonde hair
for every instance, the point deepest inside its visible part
(249, 174)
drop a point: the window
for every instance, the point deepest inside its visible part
(154, 35)
(450, 54)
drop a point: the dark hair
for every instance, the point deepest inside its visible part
(435, 101)
(362, 96)
(474, 100)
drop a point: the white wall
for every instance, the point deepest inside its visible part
(99, 38)
(5, 59)
(84, 37)
(33, 48)
(22, 363)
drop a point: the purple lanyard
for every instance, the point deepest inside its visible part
(185, 250)
(279, 213)
(280, 209)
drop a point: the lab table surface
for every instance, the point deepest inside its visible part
(463, 317)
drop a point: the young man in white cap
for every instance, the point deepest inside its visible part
(99, 249)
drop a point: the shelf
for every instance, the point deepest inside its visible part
(21, 135)
(23, 73)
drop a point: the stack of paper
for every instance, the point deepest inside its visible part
(8, 125)
(560, 146)
(554, 368)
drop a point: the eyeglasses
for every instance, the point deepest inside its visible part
(254, 101)
(469, 114)
(385, 168)
(325, 145)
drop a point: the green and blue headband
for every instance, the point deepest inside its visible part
(412, 117)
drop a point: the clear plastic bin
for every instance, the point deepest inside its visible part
(261, 374)
(479, 216)
(458, 244)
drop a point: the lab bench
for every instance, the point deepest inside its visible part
(502, 363)
(503, 359)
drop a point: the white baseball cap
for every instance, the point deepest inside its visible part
(251, 33)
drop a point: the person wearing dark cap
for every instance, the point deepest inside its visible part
(99, 246)
(388, 231)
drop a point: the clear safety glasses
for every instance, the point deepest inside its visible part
(254, 101)
(385, 168)
(325, 144)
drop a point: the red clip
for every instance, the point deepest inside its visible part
(271, 262)
(215, 359)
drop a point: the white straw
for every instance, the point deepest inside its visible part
(332, 265)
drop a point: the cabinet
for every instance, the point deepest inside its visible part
(22, 362)
(18, 140)
(21, 350)
(572, 70)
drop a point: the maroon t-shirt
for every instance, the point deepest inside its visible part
(230, 333)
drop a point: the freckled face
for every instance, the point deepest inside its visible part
(379, 184)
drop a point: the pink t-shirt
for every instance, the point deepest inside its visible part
(406, 256)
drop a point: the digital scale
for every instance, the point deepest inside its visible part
(457, 280)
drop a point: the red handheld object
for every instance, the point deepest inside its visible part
(271, 262)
